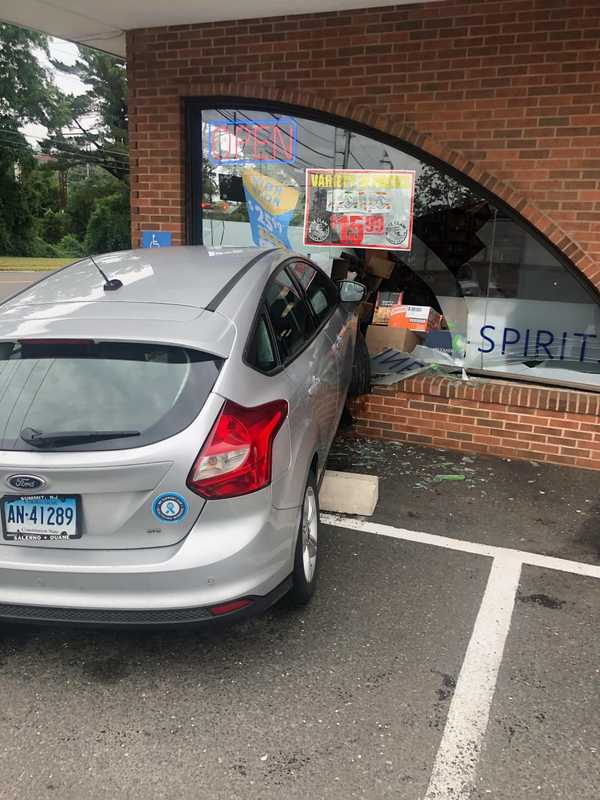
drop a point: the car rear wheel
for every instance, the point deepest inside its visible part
(361, 368)
(304, 576)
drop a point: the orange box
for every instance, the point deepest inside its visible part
(384, 306)
(415, 318)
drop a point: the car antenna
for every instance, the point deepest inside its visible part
(111, 284)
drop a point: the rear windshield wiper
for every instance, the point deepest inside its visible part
(58, 438)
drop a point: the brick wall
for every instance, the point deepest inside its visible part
(508, 91)
(496, 417)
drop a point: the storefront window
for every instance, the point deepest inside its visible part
(512, 307)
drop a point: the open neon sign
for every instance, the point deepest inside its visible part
(251, 141)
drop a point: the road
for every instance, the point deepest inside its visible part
(13, 282)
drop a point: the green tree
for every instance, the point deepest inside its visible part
(83, 195)
(16, 221)
(109, 225)
(40, 182)
(98, 118)
(27, 94)
(69, 247)
(53, 226)
(438, 190)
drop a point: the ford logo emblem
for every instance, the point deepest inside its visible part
(26, 482)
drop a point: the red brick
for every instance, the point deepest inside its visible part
(524, 80)
(506, 94)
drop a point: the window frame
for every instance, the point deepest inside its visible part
(194, 106)
(262, 310)
(318, 323)
(283, 268)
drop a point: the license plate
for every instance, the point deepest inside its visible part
(40, 518)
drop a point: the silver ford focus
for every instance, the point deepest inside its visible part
(165, 418)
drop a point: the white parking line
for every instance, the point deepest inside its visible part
(457, 758)
(492, 551)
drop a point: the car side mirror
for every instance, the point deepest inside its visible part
(352, 291)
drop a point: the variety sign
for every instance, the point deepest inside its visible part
(359, 208)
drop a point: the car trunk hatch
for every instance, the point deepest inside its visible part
(98, 439)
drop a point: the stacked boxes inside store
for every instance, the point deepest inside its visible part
(392, 317)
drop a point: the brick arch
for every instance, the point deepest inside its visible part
(427, 143)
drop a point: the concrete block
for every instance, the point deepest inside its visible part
(349, 493)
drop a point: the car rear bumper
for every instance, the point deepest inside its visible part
(236, 549)
(131, 618)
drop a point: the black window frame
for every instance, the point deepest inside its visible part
(295, 259)
(283, 267)
(262, 310)
(194, 106)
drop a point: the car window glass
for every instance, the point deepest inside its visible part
(289, 314)
(60, 385)
(320, 291)
(261, 353)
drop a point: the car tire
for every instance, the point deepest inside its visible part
(306, 560)
(361, 368)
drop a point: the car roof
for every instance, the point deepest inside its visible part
(180, 276)
(168, 296)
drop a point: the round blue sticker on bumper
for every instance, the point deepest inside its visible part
(169, 507)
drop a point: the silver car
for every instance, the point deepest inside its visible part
(165, 418)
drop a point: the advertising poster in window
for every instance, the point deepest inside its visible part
(271, 205)
(371, 209)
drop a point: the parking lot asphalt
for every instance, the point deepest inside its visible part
(544, 732)
(443, 667)
(526, 505)
(346, 699)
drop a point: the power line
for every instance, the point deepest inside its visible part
(76, 157)
(55, 142)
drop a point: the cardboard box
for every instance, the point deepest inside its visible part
(379, 337)
(415, 318)
(378, 264)
(384, 306)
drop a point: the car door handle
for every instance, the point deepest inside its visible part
(313, 386)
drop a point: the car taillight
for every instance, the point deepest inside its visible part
(237, 456)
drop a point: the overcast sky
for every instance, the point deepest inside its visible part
(67, 52)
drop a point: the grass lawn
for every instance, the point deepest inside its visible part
(37, 264)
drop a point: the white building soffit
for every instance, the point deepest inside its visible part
(103, 24)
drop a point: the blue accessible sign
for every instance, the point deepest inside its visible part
(156, 238)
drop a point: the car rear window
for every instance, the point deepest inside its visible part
(50, 387)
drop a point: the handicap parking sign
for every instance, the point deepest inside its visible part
(156, 239)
